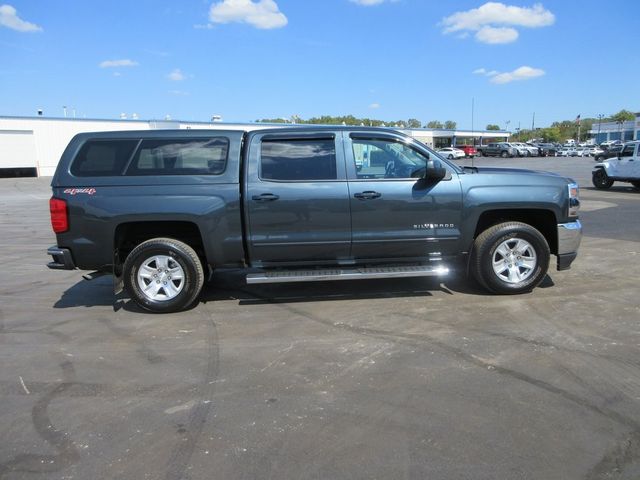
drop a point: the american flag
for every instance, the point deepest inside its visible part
(578, 120)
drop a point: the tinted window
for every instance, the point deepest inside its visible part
(201, 156)
(376, 158)
(298, 159)
(103, 158)
(628, 150)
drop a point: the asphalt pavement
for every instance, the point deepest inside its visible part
(387, 379)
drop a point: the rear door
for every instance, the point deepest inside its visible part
(297, 201)
(394, 215)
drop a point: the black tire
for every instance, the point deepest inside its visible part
(600, 158)
(178, 254)
(450, 157)
(636, 185)
(601, 180)
(486, 247)
(504, 154)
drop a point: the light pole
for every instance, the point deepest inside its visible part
(600, 116)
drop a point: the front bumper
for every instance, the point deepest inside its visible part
(62, 259)
(569, 237)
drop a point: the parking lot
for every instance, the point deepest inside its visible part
(404, 379)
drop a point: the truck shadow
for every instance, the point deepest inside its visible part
(230, 285)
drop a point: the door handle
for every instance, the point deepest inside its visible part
(368, 195)
(265, 197)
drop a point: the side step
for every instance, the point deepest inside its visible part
(286, 276)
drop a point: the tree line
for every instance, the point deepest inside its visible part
(367, 122)
(562, 130)
(557, 132)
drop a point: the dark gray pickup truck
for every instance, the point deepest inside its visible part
(161, 209)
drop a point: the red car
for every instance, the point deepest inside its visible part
(469, 150)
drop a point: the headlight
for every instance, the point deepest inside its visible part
(574, 199)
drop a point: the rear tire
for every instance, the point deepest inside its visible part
(510, 258)
(504, 154)
(636, 185)
(163, 275)
(601, 180)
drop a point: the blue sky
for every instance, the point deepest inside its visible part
(386, 59)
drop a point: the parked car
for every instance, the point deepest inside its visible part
(502, 149)
(469, 150)
(526, 150)
(451, 152)
(610, 143)
(608, 153)
(547, 149)
(624, 167)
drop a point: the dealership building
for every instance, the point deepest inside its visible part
(623, 131)
(32, 146)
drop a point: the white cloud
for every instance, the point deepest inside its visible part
(493, 22)
(480, 71)
(485, 72)
(493, 35)
(262, 14)
(522, 73)
(179, 93)
(124, 62)
(9, 18)
(374, 106)
(176, 75)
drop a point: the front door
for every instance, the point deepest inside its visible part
(297, 200)
(394, 214)
(628, 165)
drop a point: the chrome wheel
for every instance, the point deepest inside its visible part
(160, 278)
(514, 260)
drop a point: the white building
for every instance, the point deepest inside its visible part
(32, 146)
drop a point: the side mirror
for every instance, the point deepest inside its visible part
(435, 171)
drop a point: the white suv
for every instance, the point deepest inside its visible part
(623, 168)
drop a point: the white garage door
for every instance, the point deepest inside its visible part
(17, 149)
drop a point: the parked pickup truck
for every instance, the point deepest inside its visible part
(502, 149)
(161, 209)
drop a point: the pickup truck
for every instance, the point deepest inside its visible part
(502, 149)
(161, 209)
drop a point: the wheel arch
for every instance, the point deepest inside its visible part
(544, 221)
(128, 235)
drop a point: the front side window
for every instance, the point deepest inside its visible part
(194, 156)
(628, 150)
(298, 159)
(378, 158)
(102, 158)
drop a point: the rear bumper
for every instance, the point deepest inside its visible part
(569, 238)
(62, 259)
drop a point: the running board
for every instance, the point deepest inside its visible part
(287, 276)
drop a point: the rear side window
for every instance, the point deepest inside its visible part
(298, 159)
(201, 156)
(103, 158)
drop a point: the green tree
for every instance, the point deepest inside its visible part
(450, 125)
(623, 116)
(413, 123)
(434, 124)
(492, 126)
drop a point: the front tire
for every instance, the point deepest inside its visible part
(163, 275)
(601, 180)
(636, 185)
(510, 258)
(504, 154)
(450, 157)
